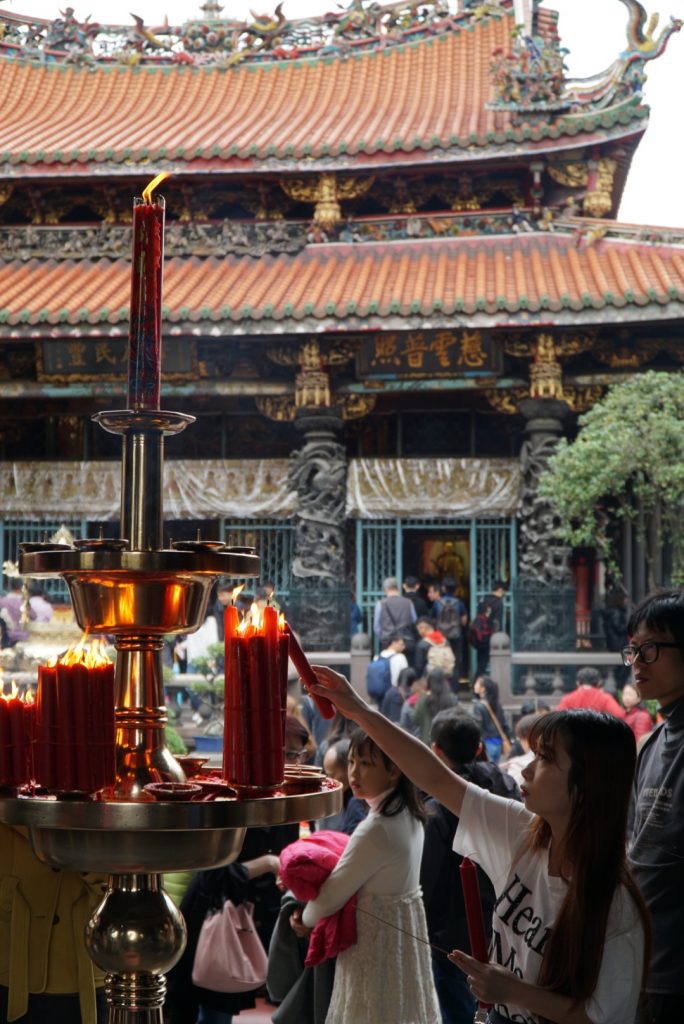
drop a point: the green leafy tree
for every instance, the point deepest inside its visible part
(627, 460)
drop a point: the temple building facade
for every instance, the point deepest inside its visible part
(393, 279)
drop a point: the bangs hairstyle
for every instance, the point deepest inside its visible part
(602, 756)
(404, 794)
(663, 612)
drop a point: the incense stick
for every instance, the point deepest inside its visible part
(404, 932)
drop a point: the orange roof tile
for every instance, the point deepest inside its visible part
(538, 273)
(375, 106)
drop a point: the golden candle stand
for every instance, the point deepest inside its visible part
(136, 591)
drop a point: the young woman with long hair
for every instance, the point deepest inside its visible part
(569, 942)
(438, 698)
(487, 711)
(386, 975)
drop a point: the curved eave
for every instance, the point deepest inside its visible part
(546, 278)
(415, 101)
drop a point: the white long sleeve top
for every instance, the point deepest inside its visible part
(383, 857)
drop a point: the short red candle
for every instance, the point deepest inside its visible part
(253, 724)
(74, 723)
(5, 752)
(18, 741)
(308, 676)
(144, 352)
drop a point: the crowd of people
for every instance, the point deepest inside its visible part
(573, 818)
(429, 627)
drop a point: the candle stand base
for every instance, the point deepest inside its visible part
(136, 956)
(137, 934)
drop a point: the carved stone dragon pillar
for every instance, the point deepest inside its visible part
(319, 597)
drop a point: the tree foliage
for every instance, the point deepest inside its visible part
(628, 454)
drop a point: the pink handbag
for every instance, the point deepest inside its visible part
(230, 956)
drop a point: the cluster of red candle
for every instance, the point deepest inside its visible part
(256, 655)
(16, 733)
(73, 748)
(144, 350)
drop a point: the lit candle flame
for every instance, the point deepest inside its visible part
(149, 189)
(91, 655)
(236, 593)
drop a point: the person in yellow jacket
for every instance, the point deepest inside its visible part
(46, 974)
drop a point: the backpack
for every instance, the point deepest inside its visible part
(480, 632)
(441, 656)
(378, 677)
(449, 618)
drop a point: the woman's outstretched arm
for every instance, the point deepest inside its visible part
(410, 755)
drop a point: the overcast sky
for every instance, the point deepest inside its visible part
(593, 30)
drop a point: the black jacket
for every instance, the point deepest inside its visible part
(439, 872)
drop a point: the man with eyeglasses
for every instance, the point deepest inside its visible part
(656, 655)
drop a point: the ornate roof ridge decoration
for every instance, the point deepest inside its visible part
(237, 238)
(113, 241)
(361, 26)
(530, 78)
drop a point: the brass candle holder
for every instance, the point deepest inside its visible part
(136, 591)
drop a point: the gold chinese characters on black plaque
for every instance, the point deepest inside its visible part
(105, 359)
(429, 354)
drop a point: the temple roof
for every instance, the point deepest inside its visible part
(420, 99)
(559, 277)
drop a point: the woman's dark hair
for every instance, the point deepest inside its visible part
(406, 679)
(663, 612)
(341, 752)
(602, 756)
(438, 697)
(340, 728)
(491, 690)
(404, 794)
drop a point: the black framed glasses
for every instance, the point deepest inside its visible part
(649, 651)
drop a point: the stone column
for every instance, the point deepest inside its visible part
(543, 556)
(319, 605)
(544, 591)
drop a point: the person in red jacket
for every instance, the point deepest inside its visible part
(636, 715)
(590, 695)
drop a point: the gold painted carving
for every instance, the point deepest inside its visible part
(599, 201)
(6, 190)
(582, 398)
(564, 344)
(312, 383)
(338, 355)
(354, 406)
(505, 399)
(280, 408)
(573, 175)
(326, 191)
(546, 375)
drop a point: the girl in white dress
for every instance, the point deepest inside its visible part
(570, 929)
(386, 977)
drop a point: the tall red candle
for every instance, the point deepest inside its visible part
(308, 676)
(144, 351)
(474, 916)
(473, 909)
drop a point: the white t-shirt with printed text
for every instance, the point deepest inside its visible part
(491, 831)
